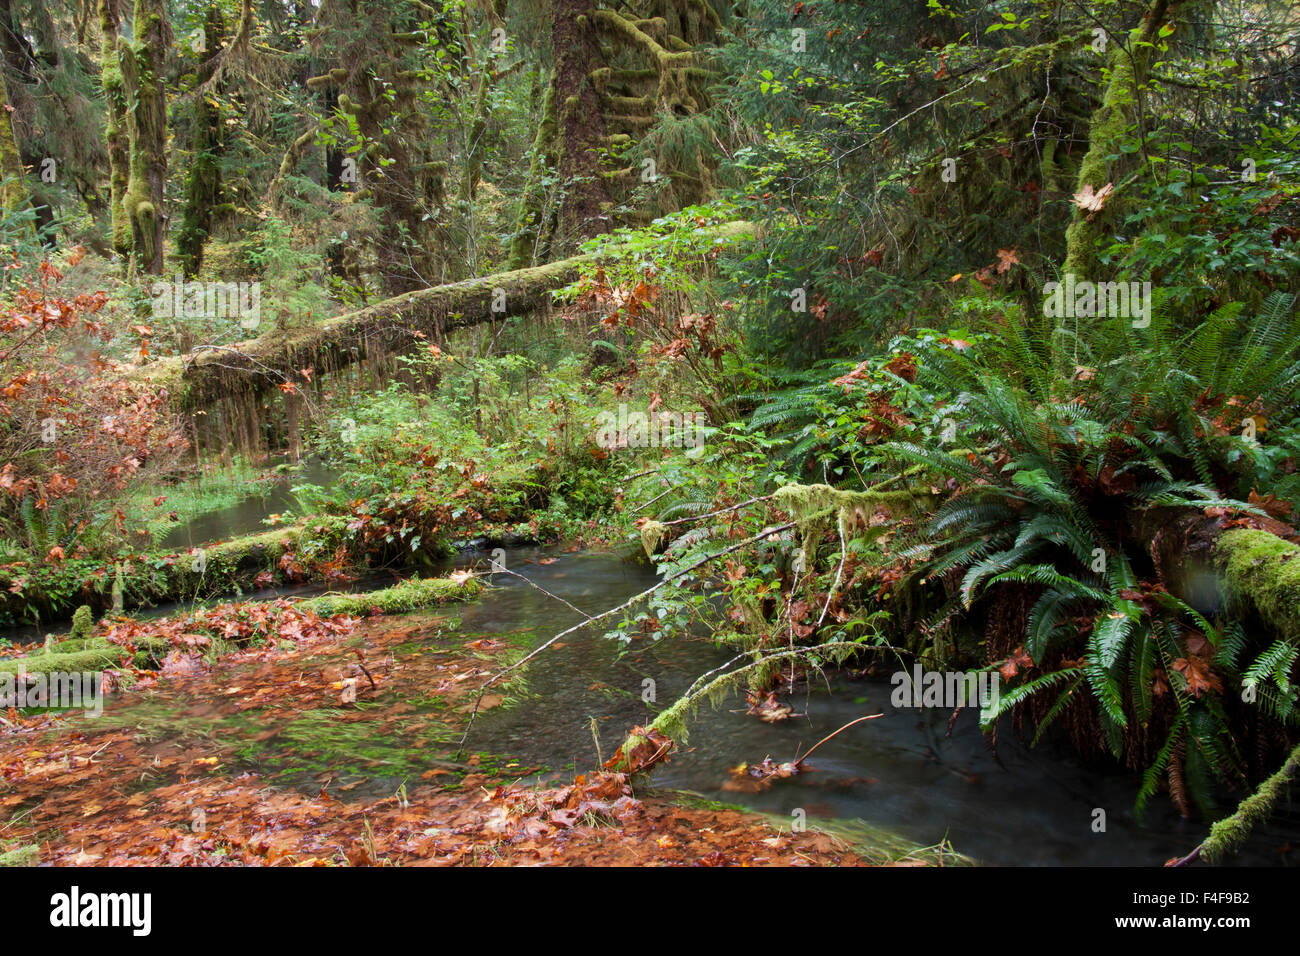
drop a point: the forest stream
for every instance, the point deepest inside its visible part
(908, 775)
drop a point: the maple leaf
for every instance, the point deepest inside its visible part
(1092, 200)
(1006, 259)
(1200, 677)
(1013, 664)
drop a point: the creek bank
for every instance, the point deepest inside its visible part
(133, 645)
(321, 549)
(256, 759)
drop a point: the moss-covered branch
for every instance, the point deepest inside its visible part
(1230, 832)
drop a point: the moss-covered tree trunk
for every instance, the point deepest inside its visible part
(527, 243)
(203, 183)
(142, 67)
(400, 324)
(13, 194)
(378, 76)
(1129, 66)
(116, 138)
(585, 208)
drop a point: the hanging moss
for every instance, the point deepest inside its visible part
(117, 589)
(652, 536)
(818, 508)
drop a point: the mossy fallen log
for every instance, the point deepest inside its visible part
(396, 325)
(407, 596)
(229, 567)
(1244, 571)
(1262, 573)
(98, 656)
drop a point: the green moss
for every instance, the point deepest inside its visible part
(1229, 833)
(83, 624)
(20, 856)
(1263, 574)
(96, 656)
(407, 596)
(652, 535)
(817, 508)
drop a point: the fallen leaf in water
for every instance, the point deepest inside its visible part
(768, 709)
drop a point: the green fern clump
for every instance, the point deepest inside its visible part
(1080, 432)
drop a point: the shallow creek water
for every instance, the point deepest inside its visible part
(903, 772)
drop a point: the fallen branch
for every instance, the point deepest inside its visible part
(1227, 834)
(799, 761)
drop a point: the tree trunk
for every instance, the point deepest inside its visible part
(203, 185)
(1110, 124)
(13, 195)
(584, 211)
(142, 66)
(116, 138)
(528, 240)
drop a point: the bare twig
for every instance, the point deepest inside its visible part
(799, 762)
(656, 498)
(534, 584)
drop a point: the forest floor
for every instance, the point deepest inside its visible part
(188, 766)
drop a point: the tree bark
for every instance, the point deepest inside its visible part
(142, 66)
(584, 211)
(1110, 124)
(116, 138)
(13, 195)
(203, 184)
